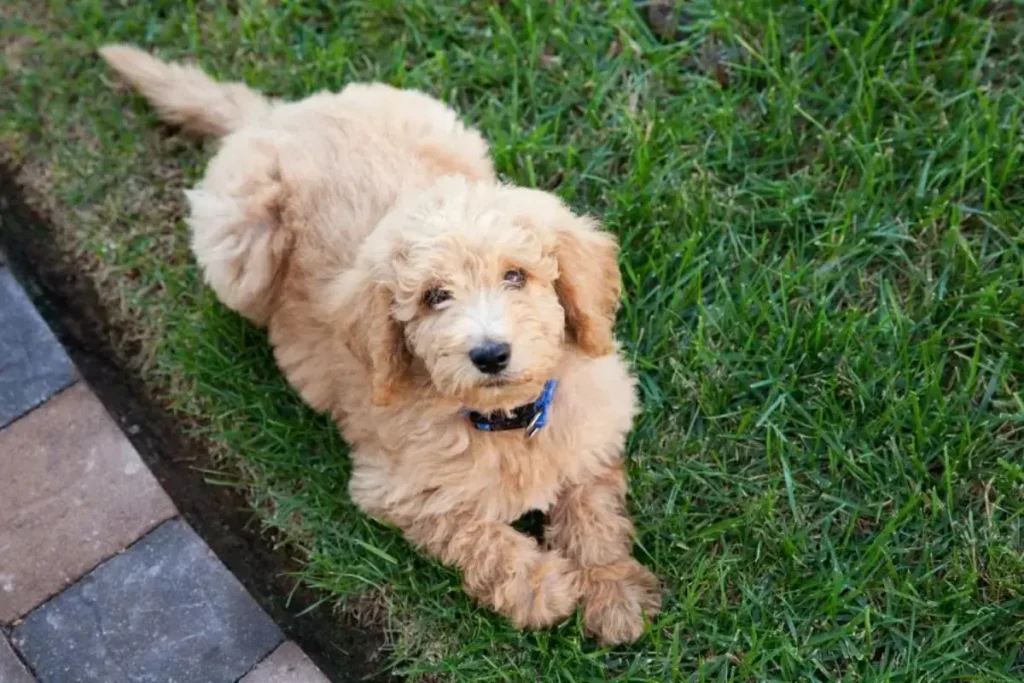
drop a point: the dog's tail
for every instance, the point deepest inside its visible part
(186, 96)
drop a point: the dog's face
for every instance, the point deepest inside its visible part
(478, 308)
(479, 290)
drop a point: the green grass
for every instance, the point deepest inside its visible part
(824, 269)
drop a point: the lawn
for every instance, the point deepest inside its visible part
(821, 209)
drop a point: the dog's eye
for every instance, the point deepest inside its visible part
(515, 277)
(436, 297)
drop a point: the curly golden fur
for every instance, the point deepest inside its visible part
(328, 221)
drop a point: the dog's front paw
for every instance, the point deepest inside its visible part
(543, 593)
(615, 599)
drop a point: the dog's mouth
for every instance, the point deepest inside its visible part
(505, 380)
(501, 392)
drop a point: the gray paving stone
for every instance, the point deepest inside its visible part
(73, 492)
(287, 664)
(11, 668)
(166, 610)
(33, 366)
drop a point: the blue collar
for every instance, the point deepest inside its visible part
(532, 417)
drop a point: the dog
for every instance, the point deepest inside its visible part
(459, 330)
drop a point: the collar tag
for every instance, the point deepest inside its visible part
(534, 426)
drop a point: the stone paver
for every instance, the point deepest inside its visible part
(11, 668)
(286, 664)
(74, 495)
(73, 492)
(164, 610)
(33, 366)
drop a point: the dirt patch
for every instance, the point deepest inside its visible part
(345, 647)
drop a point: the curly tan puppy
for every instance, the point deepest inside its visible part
(458, 330)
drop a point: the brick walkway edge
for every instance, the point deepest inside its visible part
(100, 579)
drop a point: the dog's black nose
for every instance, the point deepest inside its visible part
(491, 357)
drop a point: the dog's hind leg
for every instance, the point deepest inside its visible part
(238, 235)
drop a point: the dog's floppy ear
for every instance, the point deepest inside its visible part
(360, 308)
(589, 284)
(385, 343)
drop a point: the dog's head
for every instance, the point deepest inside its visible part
(478, 289)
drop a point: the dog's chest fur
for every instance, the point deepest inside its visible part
(444, 464)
